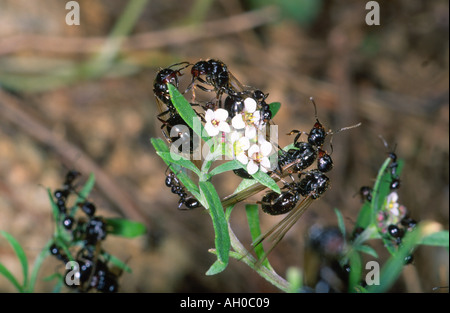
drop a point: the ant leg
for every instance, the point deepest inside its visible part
(297, 137)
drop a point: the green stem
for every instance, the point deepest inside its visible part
(243, 255)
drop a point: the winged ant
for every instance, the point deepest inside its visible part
(213, 73)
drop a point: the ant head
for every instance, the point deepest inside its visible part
(316, 136)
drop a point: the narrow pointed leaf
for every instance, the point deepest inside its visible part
(215, 209)
(125, 228)
(252, 212)
(19, 253)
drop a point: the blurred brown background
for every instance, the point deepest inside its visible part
(65, 104)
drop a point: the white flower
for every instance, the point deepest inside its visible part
(240, 147)
(258, 157)
(216, 122)
(392, 204)
(248, 119)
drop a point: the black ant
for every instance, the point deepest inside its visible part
(174, 124)
(274, 203)
(396, 232)
(216, 74)
(164, 77)
(94, 272)
(311, 149)
(178, 129)
(366, 193)
(178, 189)
(395, 182)
(266, 113)
(312, 186)
(58, 253)
(234, 104)
(61, 196)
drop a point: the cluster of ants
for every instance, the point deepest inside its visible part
(393, 221)
(214, 76)
(207, 76)
(87, 232)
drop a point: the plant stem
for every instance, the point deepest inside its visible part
(242, 254)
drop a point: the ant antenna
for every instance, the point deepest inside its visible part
(343, 128)
(315, 107)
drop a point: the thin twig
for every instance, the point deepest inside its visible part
(145, 41)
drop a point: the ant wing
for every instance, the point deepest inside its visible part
(277, 232)
(235, 84)
(242, 195)
(162, 107)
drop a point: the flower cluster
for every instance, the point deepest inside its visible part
(393, 220)
(236, 115)
(392, 212)
(243, 137)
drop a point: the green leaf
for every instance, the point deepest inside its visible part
(393, 267)
(380, 189)
(55, 209)
(216, 268)
(215, 209)
(5, 272)
(225, 167)
(186, 112)
(355, 270)
(125, 228)
(274, 108)
(117, 262)
(367, 249)
(252, 212)
(382, 186)
(168, 157)
(341, 224)
(19, 253)
(266, 180)
(37, 265)
(440, 238)
(364, 216)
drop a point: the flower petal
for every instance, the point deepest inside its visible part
(235, 136)
(265, 164)
(250, 105)
(392, 197)
(252, 150)
(211, 129)
(250, 132)
(266, 148)
(252, 167)
(238, 122)
(224, 127)
(242, 158)
(209, 115)
(244, 143)
(257, 117)
(221, 114)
